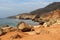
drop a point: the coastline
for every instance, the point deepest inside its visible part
(38, 32)
(47, 29)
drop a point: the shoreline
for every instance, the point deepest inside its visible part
(38, 32)
(48, 29)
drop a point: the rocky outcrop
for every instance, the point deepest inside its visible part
(26, 16)
(23, 16)
(51, 18)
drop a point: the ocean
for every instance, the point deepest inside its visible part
(14, 22)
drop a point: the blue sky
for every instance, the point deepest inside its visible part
(13, 7)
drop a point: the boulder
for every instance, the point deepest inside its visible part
(24, 27)
(38, 28)
(1, 31)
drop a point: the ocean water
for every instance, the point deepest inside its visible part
(14, 22)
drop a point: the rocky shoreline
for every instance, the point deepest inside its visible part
(48, 28)
(49, 25)
(24, 31)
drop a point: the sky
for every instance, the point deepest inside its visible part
(14, 7)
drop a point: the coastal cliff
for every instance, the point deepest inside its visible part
(34, 15)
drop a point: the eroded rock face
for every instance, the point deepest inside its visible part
(24, 27)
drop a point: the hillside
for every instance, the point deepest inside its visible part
(50, 7)
(37, 13)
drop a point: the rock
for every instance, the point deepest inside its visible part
(23, 16)
(24, 27)
(13, 29)
(15, 36)
(27, 16)
(7, 29)
(41, 22)
(58, 21)
(49, 23)
(5, 26)
(31, 33)
(38, 28)
(1, 31)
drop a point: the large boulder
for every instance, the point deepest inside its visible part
(24, 27)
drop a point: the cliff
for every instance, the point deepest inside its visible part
(37, 13)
